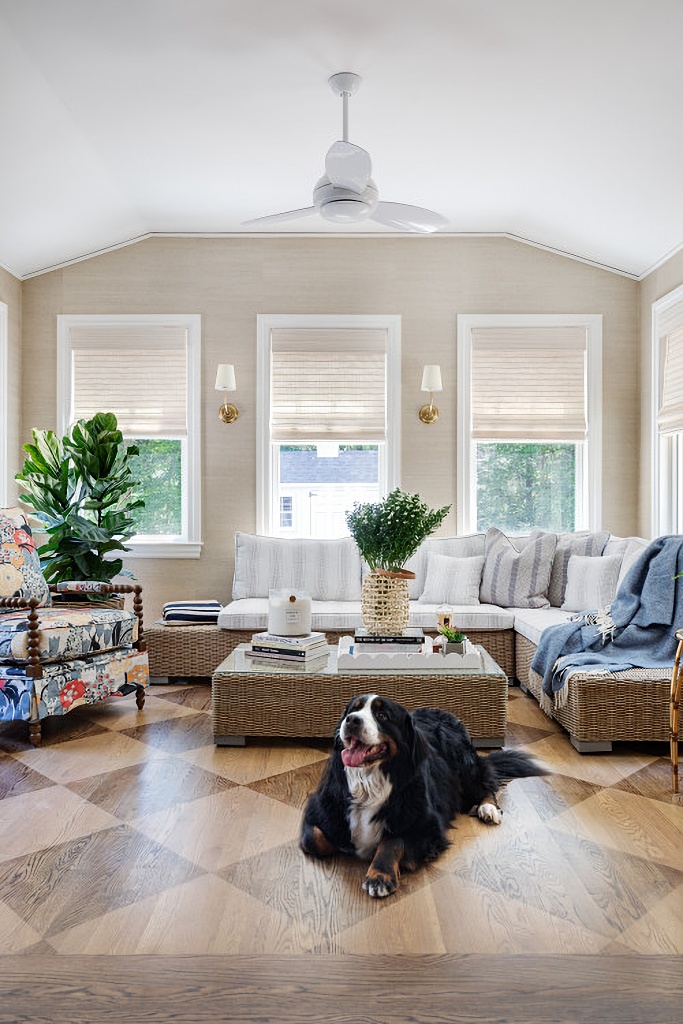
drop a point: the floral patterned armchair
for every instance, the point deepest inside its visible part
(57, 656)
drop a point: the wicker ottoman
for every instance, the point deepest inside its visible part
(251, 700)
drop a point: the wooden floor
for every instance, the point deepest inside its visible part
(146, 875)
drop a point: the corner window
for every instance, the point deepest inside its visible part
(667, 377)
(4, 398)
(328, 419)
(528, 422)
(144, 369)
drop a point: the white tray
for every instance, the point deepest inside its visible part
(408, 661)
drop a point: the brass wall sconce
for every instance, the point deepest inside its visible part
(431, 382)
(225, 381)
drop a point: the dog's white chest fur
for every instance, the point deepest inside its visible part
(369, 789)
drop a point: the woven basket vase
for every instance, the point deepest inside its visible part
(384, 606)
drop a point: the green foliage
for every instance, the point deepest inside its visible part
(158, 465)
(525, 486)
(79, 486)
(389, 532)
(453, 636)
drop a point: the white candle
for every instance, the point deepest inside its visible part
(289, 612)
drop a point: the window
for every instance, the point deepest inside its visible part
(328, 419)
(146, 370)
(4, 398)
(529, 422)
(667, 376)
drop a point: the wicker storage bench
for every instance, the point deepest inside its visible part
(629, 706)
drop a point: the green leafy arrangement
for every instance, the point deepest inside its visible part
(389, 532)
(453, 636)
(79, 487)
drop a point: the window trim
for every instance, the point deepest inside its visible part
(189, 544)
(265, 323)
(4, 404)
(589, 470)
(666, 487)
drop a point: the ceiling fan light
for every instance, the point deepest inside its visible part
(345, 211)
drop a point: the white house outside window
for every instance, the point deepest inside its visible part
(328, 419)
(529, 422)
(144, 369)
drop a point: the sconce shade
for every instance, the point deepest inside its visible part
(431, 378)
(225, 377)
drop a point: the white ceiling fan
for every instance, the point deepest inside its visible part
(346, 193)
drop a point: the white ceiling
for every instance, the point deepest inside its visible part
(555, 121)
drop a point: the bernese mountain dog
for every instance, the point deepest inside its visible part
(394, 783)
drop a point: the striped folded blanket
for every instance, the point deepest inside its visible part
(179, 612)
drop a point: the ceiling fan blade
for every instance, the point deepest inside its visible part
(280, 218)
(348, 166)
(410, 218)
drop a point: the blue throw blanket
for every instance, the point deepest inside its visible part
(641, 622)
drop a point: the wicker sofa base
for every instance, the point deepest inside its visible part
(196, 650)
(627, 706)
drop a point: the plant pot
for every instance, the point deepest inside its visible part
(451, 648)
(384, 602)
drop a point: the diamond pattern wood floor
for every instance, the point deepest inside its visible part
(129, 839)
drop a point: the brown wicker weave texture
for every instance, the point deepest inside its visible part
(613, 709)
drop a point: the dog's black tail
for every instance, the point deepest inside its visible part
(513, 764)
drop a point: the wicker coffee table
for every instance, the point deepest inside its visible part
(253, 699)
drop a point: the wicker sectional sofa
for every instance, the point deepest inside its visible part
(525, 584)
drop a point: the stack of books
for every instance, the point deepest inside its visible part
(288, 649)
(410, 640)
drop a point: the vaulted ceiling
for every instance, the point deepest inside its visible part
(555, 122)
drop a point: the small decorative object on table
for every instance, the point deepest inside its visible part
(454, 641)
(387, 534)
(289, 612)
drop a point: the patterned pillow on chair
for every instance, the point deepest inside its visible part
(20, 572)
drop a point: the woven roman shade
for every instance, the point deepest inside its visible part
(529, 383)
(137, 372)
(328, 384)
(670, 417)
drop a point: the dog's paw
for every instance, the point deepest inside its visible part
(490, 814)
(380, 885)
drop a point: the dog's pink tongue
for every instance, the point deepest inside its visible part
(354, 756)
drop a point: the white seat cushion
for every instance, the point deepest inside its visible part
(530, 622)
(252, 613)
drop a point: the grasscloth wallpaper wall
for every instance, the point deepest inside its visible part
(428, 281)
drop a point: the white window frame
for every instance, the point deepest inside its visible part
(589, 470)
(667, 450)
(390, 467)
(188, 544)
(4, 403)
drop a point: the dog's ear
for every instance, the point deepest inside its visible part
(418, 745)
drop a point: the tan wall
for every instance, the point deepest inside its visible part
(428, 281)
(653, 287)
(10, 292)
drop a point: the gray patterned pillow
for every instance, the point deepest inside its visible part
(569, 544)
(514, 578)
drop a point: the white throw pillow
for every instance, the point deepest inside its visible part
(568, 544)
(452, 580)
(514, 578)
(329, 570)
(591, 582)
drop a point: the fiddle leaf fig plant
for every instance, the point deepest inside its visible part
(80, 488)
(389, 532)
